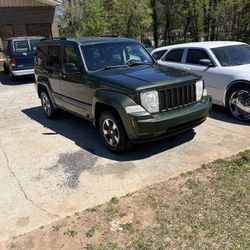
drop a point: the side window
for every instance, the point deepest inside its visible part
(53, 61)
(70, 56)
(195, 55)
(174, 55)
(41, 56)
(159, 54)
(9, 47)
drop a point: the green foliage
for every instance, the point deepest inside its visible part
(169, 21)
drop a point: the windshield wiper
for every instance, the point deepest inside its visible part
(138, 63)
(114, 67)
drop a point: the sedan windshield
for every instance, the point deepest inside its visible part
(114, 55)
(233, 55)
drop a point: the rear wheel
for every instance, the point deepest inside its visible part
(6, 71)
(48, 109)
(113, 133)
(12, 77)
(239, 103)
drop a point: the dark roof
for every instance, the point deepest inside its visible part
(87, 40)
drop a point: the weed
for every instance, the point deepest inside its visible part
(56, 228)
(90, 233)
(70, 233)
(114, 200)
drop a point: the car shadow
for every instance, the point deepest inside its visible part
(221, 113)
(5, 80)
(86, 136)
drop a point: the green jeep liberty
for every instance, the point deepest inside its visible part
(119, 87)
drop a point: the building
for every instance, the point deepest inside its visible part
(28, 18)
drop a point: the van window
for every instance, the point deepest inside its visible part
(53, 57)
(21, 46)
(33, 44)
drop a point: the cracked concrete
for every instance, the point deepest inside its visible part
(53, 168)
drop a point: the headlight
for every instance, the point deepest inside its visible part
(150, 101)
(199, 90)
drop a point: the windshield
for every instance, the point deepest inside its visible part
(23, 46)
(113, 55)
(233, 55)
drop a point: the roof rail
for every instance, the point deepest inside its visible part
(54, 38)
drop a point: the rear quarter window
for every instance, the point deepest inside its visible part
(159, 54)
(21, 46)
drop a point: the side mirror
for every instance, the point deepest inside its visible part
(71, 68)
(206, 62)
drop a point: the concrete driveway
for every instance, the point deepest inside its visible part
(52, 168)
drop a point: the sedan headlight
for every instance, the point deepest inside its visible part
(150, 101)
(199, 90)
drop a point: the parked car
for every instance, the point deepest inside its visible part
(20, 54)
(225, 67)
(118, 86)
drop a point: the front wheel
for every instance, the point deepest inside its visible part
(239, 103)
(113, 133)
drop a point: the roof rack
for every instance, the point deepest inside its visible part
(54, 38)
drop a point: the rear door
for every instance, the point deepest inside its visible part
(24, 52)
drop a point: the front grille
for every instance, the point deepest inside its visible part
(173, 98)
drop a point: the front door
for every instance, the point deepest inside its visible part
(74, 90)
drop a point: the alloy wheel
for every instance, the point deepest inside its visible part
(239, 105)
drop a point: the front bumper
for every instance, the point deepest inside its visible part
(152, 127)
(23, 72)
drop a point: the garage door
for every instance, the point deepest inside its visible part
(40, 29)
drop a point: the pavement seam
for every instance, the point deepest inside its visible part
(20, 185)
(231, 131)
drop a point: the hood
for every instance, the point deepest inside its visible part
(143, 77)
(239, 68)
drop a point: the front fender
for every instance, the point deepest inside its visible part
(119, 102)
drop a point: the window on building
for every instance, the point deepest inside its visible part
(39, 29)
(195, 55)
(53, 61)
(174, 55)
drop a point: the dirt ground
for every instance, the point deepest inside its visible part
(204, 209)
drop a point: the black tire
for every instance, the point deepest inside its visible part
(12, 77)
(241, 93)
(48, 108)
(116, 130)
(6, 71)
